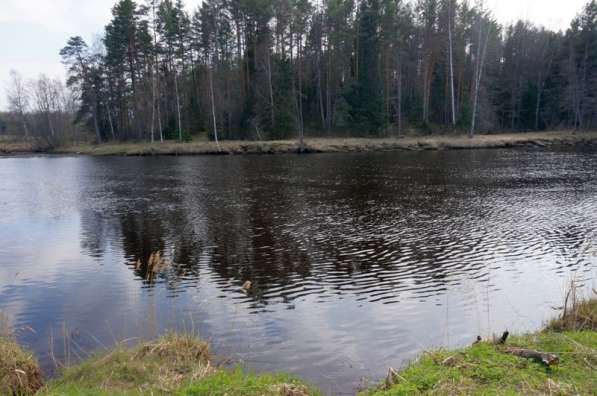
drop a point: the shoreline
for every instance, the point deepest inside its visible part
(318, 145)
(561, 358)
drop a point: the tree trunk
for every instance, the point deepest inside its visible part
(319, 85)
(271, 90)
(25, 127)
(213, 106)
(178, 106)
(479, 74)
(399, 99)
(451, 56)
(110, 121)
(299, 99)
(328, 93)
(540, 88)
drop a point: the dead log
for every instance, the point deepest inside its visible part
(548, 359)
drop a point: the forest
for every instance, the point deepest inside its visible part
(279, 69)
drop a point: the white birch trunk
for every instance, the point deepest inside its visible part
(451, 55)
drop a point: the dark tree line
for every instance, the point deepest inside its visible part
(270, 69)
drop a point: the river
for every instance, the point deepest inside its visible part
(358, 262)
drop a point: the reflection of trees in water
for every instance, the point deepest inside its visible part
(292, 230)
(96, 233)
(249, 244)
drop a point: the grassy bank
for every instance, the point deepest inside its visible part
(490, 368)
(182, 365)
(321, 145)
(12, 145)
(172, 365)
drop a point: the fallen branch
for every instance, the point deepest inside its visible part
(547, 359)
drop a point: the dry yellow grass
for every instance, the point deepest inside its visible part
(332, 145)
(19, 371)
(314, 145)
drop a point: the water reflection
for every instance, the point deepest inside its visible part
(358, 262)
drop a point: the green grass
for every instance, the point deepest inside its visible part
(158, 367)
(171, 365)
(239, 383)
(181, 365)
(484, 369)
(235, 382)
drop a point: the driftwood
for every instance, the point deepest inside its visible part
(548, 359)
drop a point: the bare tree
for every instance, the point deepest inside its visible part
(45, 100)
(18, 99)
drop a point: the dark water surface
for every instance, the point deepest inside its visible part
(359, 261)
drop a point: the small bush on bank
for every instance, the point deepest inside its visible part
(577, 316)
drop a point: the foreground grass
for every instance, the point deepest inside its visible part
(485, 368)
(19, 370)
(182, 365)
(172, 365)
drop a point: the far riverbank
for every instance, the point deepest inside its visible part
(318, 145)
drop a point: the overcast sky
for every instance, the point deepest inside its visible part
(32, 32)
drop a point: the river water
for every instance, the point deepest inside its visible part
(358, 262)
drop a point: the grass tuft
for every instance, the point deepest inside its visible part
(20, 374)
(172, 365)
(578, 315)
(158, 367)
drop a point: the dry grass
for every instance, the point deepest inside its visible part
(19, 371)
(16, 147)
(332, 145)
(158, 367)
(174, 364)
(577, 314)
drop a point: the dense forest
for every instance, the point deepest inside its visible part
(272, 69)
